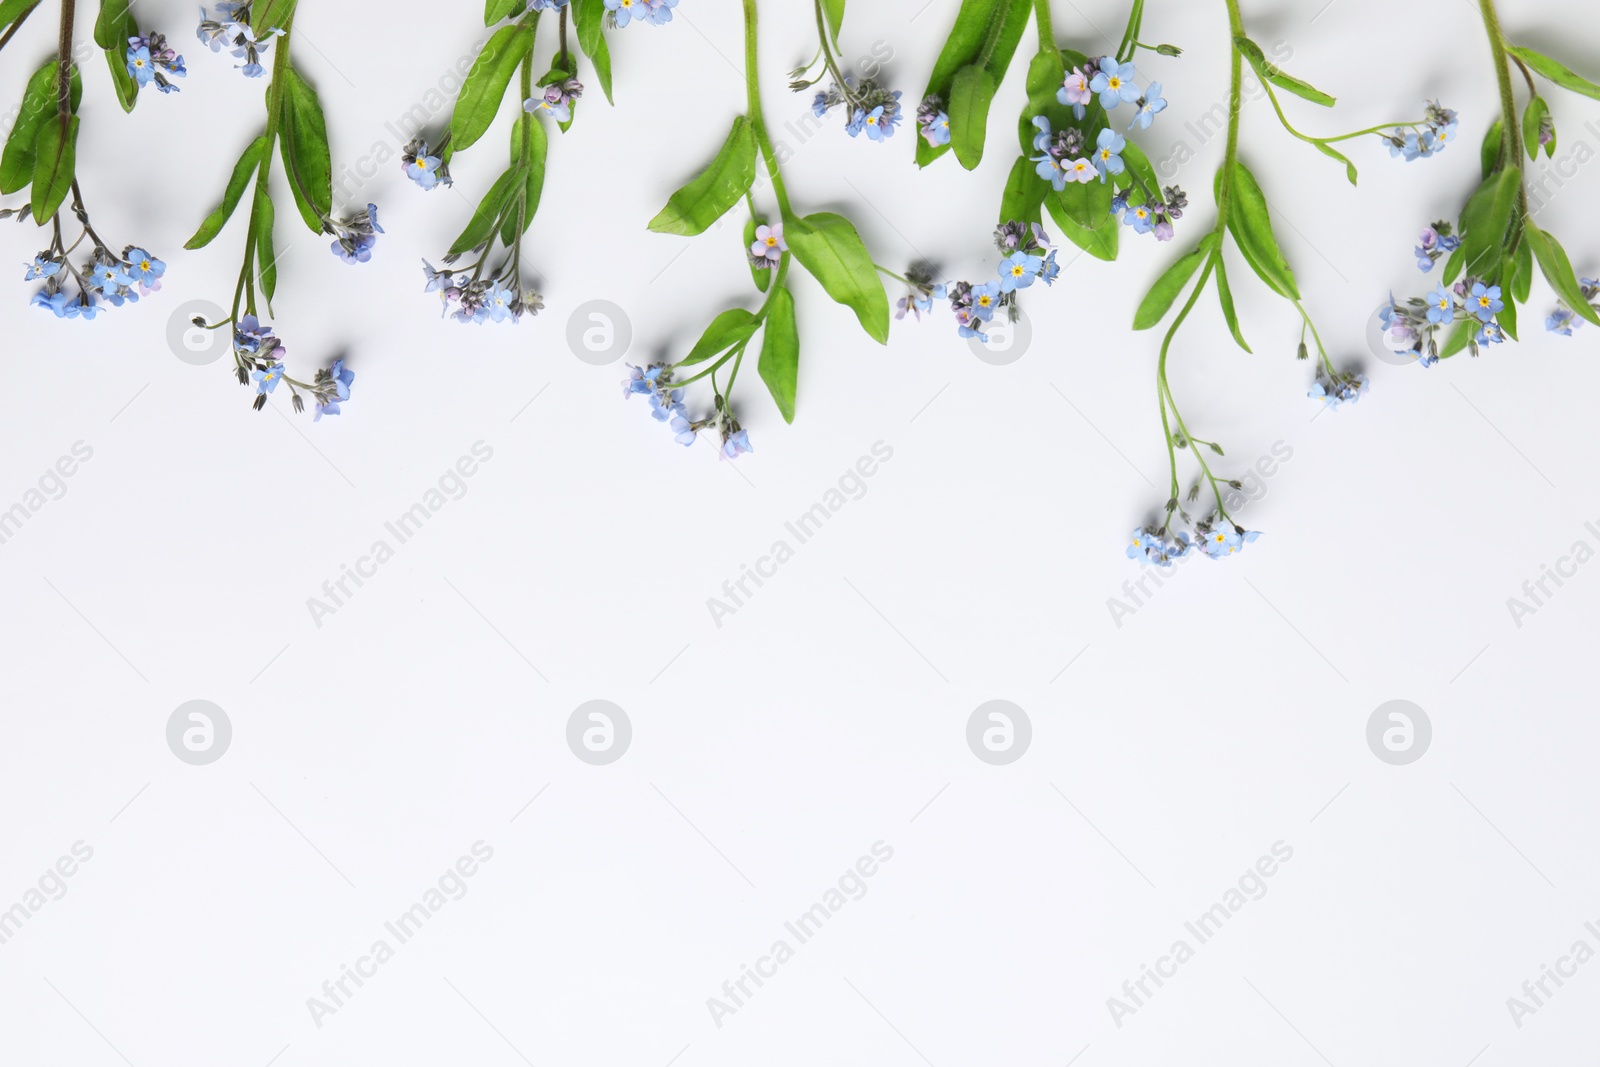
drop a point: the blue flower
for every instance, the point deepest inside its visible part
(1114, 83)
(1562, 322)
(1490, 333)
(333, 389)
(139, 66)
(1052, 269)
(42, 267)
(1141, 218)
(1224, 539)
(625, 11)
(497, 301)
(1485, 302)
(87, 308)
(936, 131)
(57, 302)
(143, 267)
(108, 274)
(985, 298)
(267, 380)
(1108, 153)
(682, 428)
(1019, 271)
(1441, 306)
(1152, 106)
(736, 444)
(970, 326)
(424, 170)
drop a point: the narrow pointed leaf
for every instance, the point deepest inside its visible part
(829, 247)
(780, 353)
(712, 193)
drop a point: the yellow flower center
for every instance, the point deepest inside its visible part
(772, 242)
(1483, 301)
(1114, 82)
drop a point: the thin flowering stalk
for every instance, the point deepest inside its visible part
(826, 245)
(295, 131)
(869, 107)
(40, 157)
(1494, 245)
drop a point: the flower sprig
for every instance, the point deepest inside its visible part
(40, 158)
(491, 287)
(1496, 243)
(869, 108)
(296, 130)
(824, 244)
(1026, 257)
(1077, 160)
(1244, 219)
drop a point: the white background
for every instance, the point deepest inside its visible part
(1171, 747)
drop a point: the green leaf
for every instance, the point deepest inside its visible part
(266, 258)
(112, 29)
(1333, 153)
(971, 93)
(1159, 300)
(12, 10)
(1089, 205)
(1557, 269)
(535, 162)
(762, 276)
(1491, 148)
(589, 18)
(1023, 200)
(1270, 72)
(1225, 298)
(499, 10)
(1464, 331)
(1138, 165)
(1250, 222)
(834, 10)
(780, 353)
(38, 104)
(490, 209)
(485, 87)
(986, 32)
(1523, 287)
(1486, 219)
(303, 143)
(1556, 72)
(243, 171)
(1101, 243)
(1531, 120)
(1452, 266)
(728, 330)
(54, 167)
(829, 247)
(266, 15)
(712, 193)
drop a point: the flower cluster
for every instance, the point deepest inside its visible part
(621, 12)
(231, 29)
(933, 121)
(424, 165)
(151, 59)
(869, 108)
(1435, 242)
(354, 235)
(258, 357)
(1153, 216)
(666, 405)
(1026, 257)
(1216, 537)
(1335, 389)
(1413, 329)
(113, 279)
(479, 299)
(1564, 320)
(557, 99)
(1428, 138)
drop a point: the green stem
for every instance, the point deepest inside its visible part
(1235, 102)
(1502, 70)
(1130, 39)
(1047, 30)
(280, 73)
(758, 122)
(64, 65)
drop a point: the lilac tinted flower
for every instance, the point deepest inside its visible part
(769, 244)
